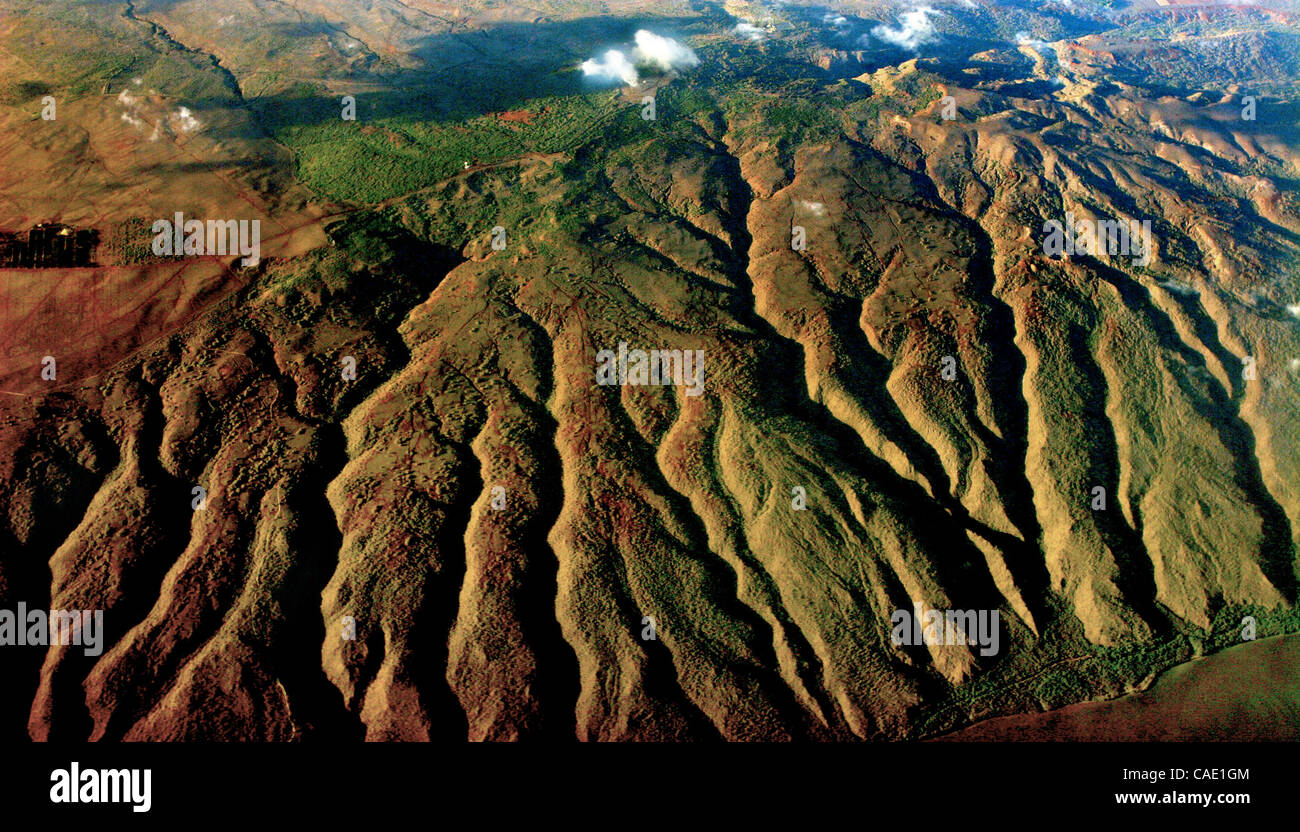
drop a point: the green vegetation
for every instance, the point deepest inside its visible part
(786, 120)
(20, 92)
(407, 148)
(1065, 668)
(89, 49)
(129, 243)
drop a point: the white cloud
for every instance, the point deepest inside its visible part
(187, 120)
(817, 209)
(1178, 288)
(1294, 309)
(915, 29)
(664, 53)
(836, 20)
(134, 114)
(750, 31)
(614, 66)
(1042, 47)
(657, 51)
(140, 113)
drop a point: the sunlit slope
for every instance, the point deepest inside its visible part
(905, 401)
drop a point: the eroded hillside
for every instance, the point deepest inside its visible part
(421, 515)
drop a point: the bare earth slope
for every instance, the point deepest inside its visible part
(469, 536)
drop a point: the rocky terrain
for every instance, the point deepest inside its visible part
(371, 487)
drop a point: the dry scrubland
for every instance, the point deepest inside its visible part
(373, 498)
